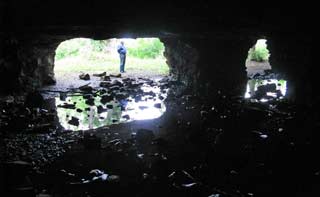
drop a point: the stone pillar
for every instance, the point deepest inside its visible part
(10, 67)
(182, 59)
(209, 65)
(46, 66)
(37, 63)
(291, 56)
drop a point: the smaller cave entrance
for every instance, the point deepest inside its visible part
(263, 84)
(257, 62)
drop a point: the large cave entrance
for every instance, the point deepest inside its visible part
(87, 56)
(108, 95)
(72, 125)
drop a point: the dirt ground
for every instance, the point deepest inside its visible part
(221, 146)
(67, 81)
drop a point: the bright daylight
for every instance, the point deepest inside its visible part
(144, 57)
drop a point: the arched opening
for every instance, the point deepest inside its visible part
(263, 84)
(87, 56)
(257, 62)
(96, 93)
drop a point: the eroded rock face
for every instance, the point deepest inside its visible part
(182, 59)
(9, 65)
(204, 60)
(208, 65)
(203, 65)
(292, 58)
(26, 65)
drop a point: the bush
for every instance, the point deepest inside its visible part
(98, 45)
(93, 49)
(259, 52)
(146, 48)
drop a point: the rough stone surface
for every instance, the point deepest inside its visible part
(206, 46)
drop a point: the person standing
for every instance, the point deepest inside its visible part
(122, 52)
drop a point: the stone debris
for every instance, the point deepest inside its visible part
(205, 148)
(100, 74)
(84, 76)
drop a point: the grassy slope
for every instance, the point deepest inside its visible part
(110, 64)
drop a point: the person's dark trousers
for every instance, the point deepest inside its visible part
(122, 62)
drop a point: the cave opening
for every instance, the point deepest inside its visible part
(75, 56)
(118, 96)
(263, 84)
(210, 141)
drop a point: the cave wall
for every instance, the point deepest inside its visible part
(206, 46)
(10, 66)
(25, 64)
(292, 58)
(209, 65)
(37, 63)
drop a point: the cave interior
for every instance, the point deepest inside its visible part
(211, 141)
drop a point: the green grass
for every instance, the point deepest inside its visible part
(99, 62)
(259, 52)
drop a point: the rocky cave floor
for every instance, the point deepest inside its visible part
(222, 146)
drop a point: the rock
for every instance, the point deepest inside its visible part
(143, 107)
(44, 127)
(106, 98)
(74, 121)
(20, 163)
(101, 109)
(144, 136)
(117, 82)
(106, 78)
(96, 172)
(113, 178)
(100, 74)
(188, 185)
(67, 106)
(43, 195)
(114, 88)
(182, 179)
(84, 76)
(110, 106)
(150, 93)
(34, 99)
(279, 93)
(86, 88)
(127, 117)
(263, 89)
(87, 96)
(157, 105)
(137, 98)
(91, 141)
(203, 114)
(127, 80)
(215, 195)
(79, 110)
(105, 84)
(97, 176)
(90, 101)
(102, 91)
(118, 75)
(121, 96)
(63, 96)
(8, 99)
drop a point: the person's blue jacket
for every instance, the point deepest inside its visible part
(122, 49)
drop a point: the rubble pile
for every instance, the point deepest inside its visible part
(217, 146)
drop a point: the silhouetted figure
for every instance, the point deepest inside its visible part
(122, 52)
